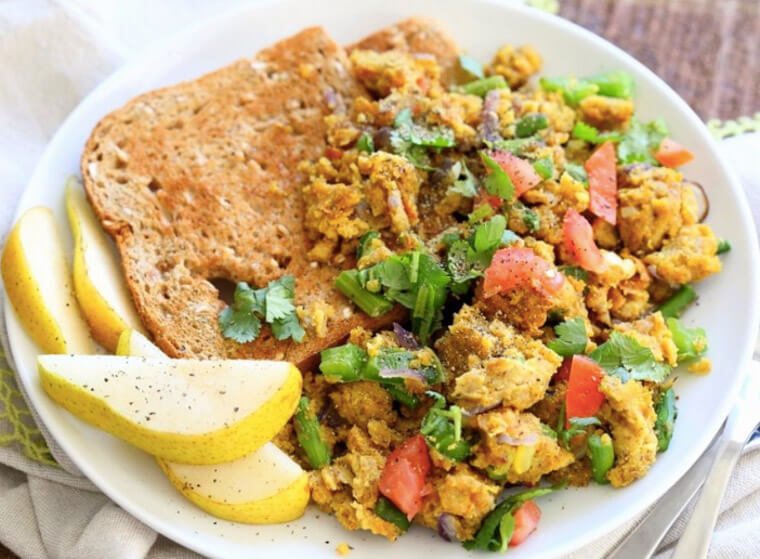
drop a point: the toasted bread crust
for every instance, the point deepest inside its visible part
(198, 181)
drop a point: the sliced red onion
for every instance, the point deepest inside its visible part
(489, 120)
(402, 373)
(477, 410)
(703, 202)
(446, 527)
(335, 101)
(404, 337)
(503, 438)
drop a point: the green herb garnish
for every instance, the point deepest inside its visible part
(571, 338)
(497, 182)
(578, 172)
(366, 143)
(622, 356)
(574, 272)
(465, 183)
(573, 90)
(588, 133)
(413, 140)
(691, 342)
(274, 304)
(497, 527)
(723, 246)
(372, 304)
(442, 429)
(640, 142)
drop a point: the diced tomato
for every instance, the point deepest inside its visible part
(563, 373)
(602, 183)
(579, 240)
(403, 477)
(492, 200)
(583, 398)
(527, 517)
(514, 267)
(520, 171)
(673, 154)
(333, 153)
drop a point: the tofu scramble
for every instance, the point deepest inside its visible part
(544, 245)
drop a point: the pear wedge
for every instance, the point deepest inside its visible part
(38, 284)
(132, 342)
(263, 487)
(182, 410)
(98, 279)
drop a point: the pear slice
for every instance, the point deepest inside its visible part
(38, 284)
(182, 410)
(263, 487)
(98, 279)
(132, 342)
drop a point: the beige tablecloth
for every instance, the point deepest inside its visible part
(51, 55)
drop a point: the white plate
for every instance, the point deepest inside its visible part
(727, 307)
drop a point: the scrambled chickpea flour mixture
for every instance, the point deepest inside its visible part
(544, 245)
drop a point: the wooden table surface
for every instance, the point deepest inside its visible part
(706, 50)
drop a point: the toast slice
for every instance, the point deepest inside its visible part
(416, 35)
(199, 181)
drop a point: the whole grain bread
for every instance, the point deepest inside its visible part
(198, 182)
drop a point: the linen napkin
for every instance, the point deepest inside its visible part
(52, 53)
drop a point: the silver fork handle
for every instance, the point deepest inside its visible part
(643, 540)
(695, 541)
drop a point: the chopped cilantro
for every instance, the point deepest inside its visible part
(624, 357)
(529, 217)
(640, 142)
(691, 342)
(471, 66)
(468, 258)
(241, 321)
(544, 167)
(465, 183)
(442, 429)
(365, 242)
(723, 246)
(588, 133)
(571, 337)
(498, 526)
(366, 143)
(488, 234)
(482, 86)
(412, 140)
(497, 182)
(515, 146)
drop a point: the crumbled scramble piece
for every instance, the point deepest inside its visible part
(517, 65)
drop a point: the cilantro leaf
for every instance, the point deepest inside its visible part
(571, 338)
(529, 217)
(691, 342)
(241, 321)
(574, 272)
(471, 66)
(497, 182)
(288, 327)
(640, 141)
(279, 298)
(366, 143)
(240, 326)
(407, 137)
(544, 167)
(483, 211)
(515, 146)
(624, 357)
(488, 234)
(465, 183)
